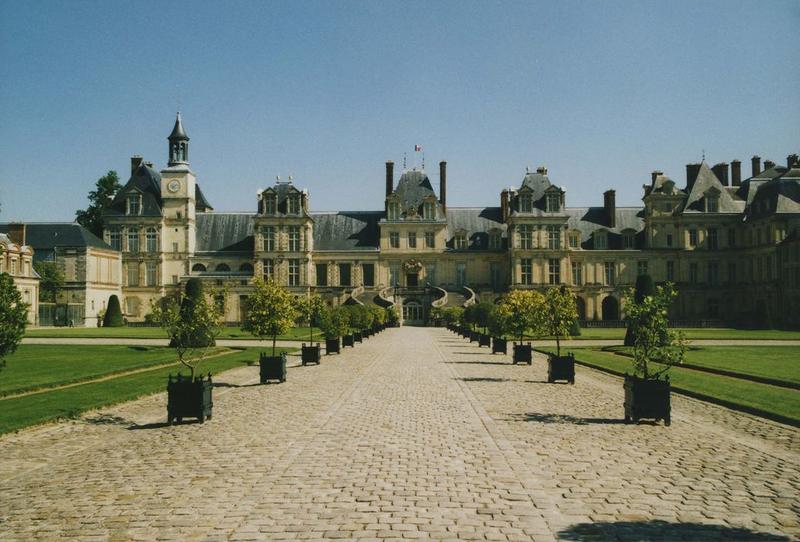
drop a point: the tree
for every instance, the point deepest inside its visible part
(644, 287)
(334, 322)
(453, 315)
(192, 325)
(13, 317)
(360, 317)
(470, 315)
(498, 321)
(309, 309)
(481, 314)
(51, 280)
(113, 315)
(648, 320)
(100, 198)
(521, 310)
(270, 311)
(378, 314)
(559, 313)
(391, 315)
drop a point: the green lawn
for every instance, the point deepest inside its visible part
(782, 403)
(775, 362)
(24, 411)
(294, 334)
(610, 333)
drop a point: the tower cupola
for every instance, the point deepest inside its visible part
(178, 144)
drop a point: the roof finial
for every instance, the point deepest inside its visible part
(404, 161)
(704, 155)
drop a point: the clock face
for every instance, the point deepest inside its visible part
(174, 186)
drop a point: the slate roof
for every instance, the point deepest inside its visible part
(781, 194)
(224, 232)
(201, 203)
(538, 182)
(707, 180)
(45, 237)
(146, 181)
(658, 186)
(178, 131)
(477, 222)
(412, 190)
(588, 220)
(347, 230)
(282, 190)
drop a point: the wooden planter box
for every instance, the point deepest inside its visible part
(474, 336)
(331, 346)
(561, 368)
(188, 398)
(484, 340)
(365, 333)
(499, 345)
(311, 354)
(348, 340)
(647, 399)
(272, 368)
(523, 353)
(357, 337)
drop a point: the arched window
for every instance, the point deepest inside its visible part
(222, 268)
(246, 268)
(198, 268)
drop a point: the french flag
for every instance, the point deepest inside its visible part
(417, 148)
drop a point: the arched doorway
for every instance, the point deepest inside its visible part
(610, 308)
(412, 313)
(580, 305)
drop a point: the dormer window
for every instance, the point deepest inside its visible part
(393, 210)
(553, 203)
(628, 240)
(494, 240)
(574, 240)
(525, 203)
(712, 204)
(460, 241)
(134, 204)
(270, 204)
(429, 210)
(600, 240)
(294, 205)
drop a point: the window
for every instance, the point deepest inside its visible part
(713, 243)
(174, 279)
(268, 269)
(554, 271)
(270, 204)
(693, 273)
(577, 273)
(553, 237)
(394, 210)
(344, 274)
(628, 239)
(574, 240)
(294, 272)
(151, 240)
(219, 302)
(246, 268)
(460, 241)
(133, 240)
(732, 272)
(641, 267)
(525, 237)
(134, 204)
(269, 238)
(461, 274)
(712, 204)
(13, 267)
(692, 237)
(430, 273)
(133, 274)
(150, 276)
(527, 271)
(430, 239)
(294, 205)
(412, 239)
(553, 203)
(115, 238)
(669, 239)
(668, 207)
(600, 240)
(610, 273)
(294, 238)
(368, 274)
(198, 268)
(322, 274)
(526, 203)
(429, 210)
(394, 239)
(222, 268)
(670, 270)
(713, 273)
(494, 240)
(394, 274)
(175, 247)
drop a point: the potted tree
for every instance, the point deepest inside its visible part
(522, 309)
(392, 318)
(192, 324)
(471, 318)
(334, 323)
(482, 312)
(378, 318)
(644, 287)
(558, 315)
(498, 326)
(655, 350)
(270, 312)
(309, 308)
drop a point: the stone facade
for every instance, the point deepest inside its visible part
(728, 243)
(16, 259)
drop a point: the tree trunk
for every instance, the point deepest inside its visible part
(274, 339)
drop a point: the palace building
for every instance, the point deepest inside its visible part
(730, 244)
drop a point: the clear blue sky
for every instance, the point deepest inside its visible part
(600, 92)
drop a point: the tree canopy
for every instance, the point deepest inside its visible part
(558, 314)
(13, 317)
(521, 312)
(100, 198)
(51, 280)
(270, 311)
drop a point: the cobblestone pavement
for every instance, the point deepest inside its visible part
(416, 434)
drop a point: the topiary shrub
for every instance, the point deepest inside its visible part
(575, 328)
(113, 316)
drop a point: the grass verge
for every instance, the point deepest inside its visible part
(294, 334)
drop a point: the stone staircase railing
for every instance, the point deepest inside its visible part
(383, 297)
(441, 301)
(354, 293)
(469, 293)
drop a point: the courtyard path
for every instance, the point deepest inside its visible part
(416, 434)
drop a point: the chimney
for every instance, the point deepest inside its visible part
(655, 174)
(791, 161)
(756, 162)
(505, 197)
(16, 232)
(443, 184)
(721, 171)
(389, 178)
(691, 175)
(136, 161)
(610, 205)
(768, 164)
(736, 172)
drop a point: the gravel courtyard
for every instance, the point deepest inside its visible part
(415, 434)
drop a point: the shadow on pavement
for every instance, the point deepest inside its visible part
(228, 385)
(661, 530)
(483, 379)
(105, 419)
(562, 418)
(479, 362)
(159, 425)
